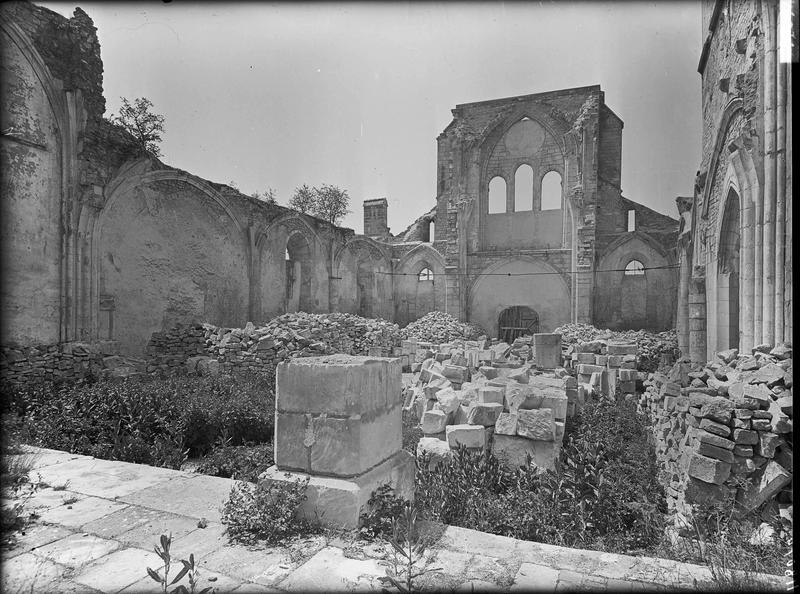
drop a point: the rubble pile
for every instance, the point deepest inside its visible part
(205, 348)
(607, 369)
(719, 423)
(438, 327)
(488, 396)
(652, 346)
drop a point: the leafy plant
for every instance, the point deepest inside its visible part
(411, 563)
(383, 507)
(268, 511)
(187, 569)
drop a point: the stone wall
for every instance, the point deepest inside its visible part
(66, 361)
(724, 430)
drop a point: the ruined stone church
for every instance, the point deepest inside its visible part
(102, 242)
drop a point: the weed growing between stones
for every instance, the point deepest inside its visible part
(383, 510)
(407, 543)
(16, 487)
(188, 569)
(268, 511)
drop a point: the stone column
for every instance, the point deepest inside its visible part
(697, 320)
(683, 304)
(338, 422)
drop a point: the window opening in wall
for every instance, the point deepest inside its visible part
(431, 231)
(523, 188)
(631, 220)
(551, 191)
(634, 268)
(288, 257)
(497, 195)
(425, 275)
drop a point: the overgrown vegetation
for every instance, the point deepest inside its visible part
(268, 511)
(604, 494)
(145, 420)
(245, 462)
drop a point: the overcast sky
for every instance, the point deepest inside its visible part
(278, 95)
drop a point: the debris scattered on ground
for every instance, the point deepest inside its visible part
(438, 327)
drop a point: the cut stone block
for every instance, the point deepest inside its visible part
(699, 492)
(470, 436)
(338, 502)
(587, 369)
(434, 421)
(708, 469)
(712, 451)
(622, 349)
(714, 440)
(743, 450)
(745, 437)
(547, 350)
(490, 394)
(536, 424)
(488, 372)
(513, 451)
(506, 424)
(456, 373)
(484, 414)
(437, 450)
(339, 446)
(338, 385)
(714, 427)
(627, 375)
(448, 400)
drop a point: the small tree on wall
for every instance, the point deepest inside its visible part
(269, 196)
(331, 203)
(144, 125)
(304, 199)
(326, 202)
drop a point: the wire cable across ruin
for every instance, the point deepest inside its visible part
(642, 269)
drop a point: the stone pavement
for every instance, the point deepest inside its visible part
(99, 520)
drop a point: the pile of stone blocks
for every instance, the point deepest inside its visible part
(440, 327)
(727, 420)
(483, 396)
(605, 368)
(338, 423)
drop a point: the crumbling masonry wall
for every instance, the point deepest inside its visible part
(103, 242)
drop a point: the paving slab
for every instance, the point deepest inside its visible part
(221, 583)
(118, 570)
(81, 512)
(202, 541)
(76, 549)
(32, 575)
(35, 536)
(330, 571)
(48, 498)
(265, 567)
(535, 578)
(196, 496)
(104, 478)
(140, 527)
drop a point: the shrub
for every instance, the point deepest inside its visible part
(268, 511)
(383, 509)
(144, 419)
(245, 462)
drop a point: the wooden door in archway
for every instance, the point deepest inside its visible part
(516, 321)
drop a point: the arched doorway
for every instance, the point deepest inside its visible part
(728, 266)
(516, 321)
(298, 273)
